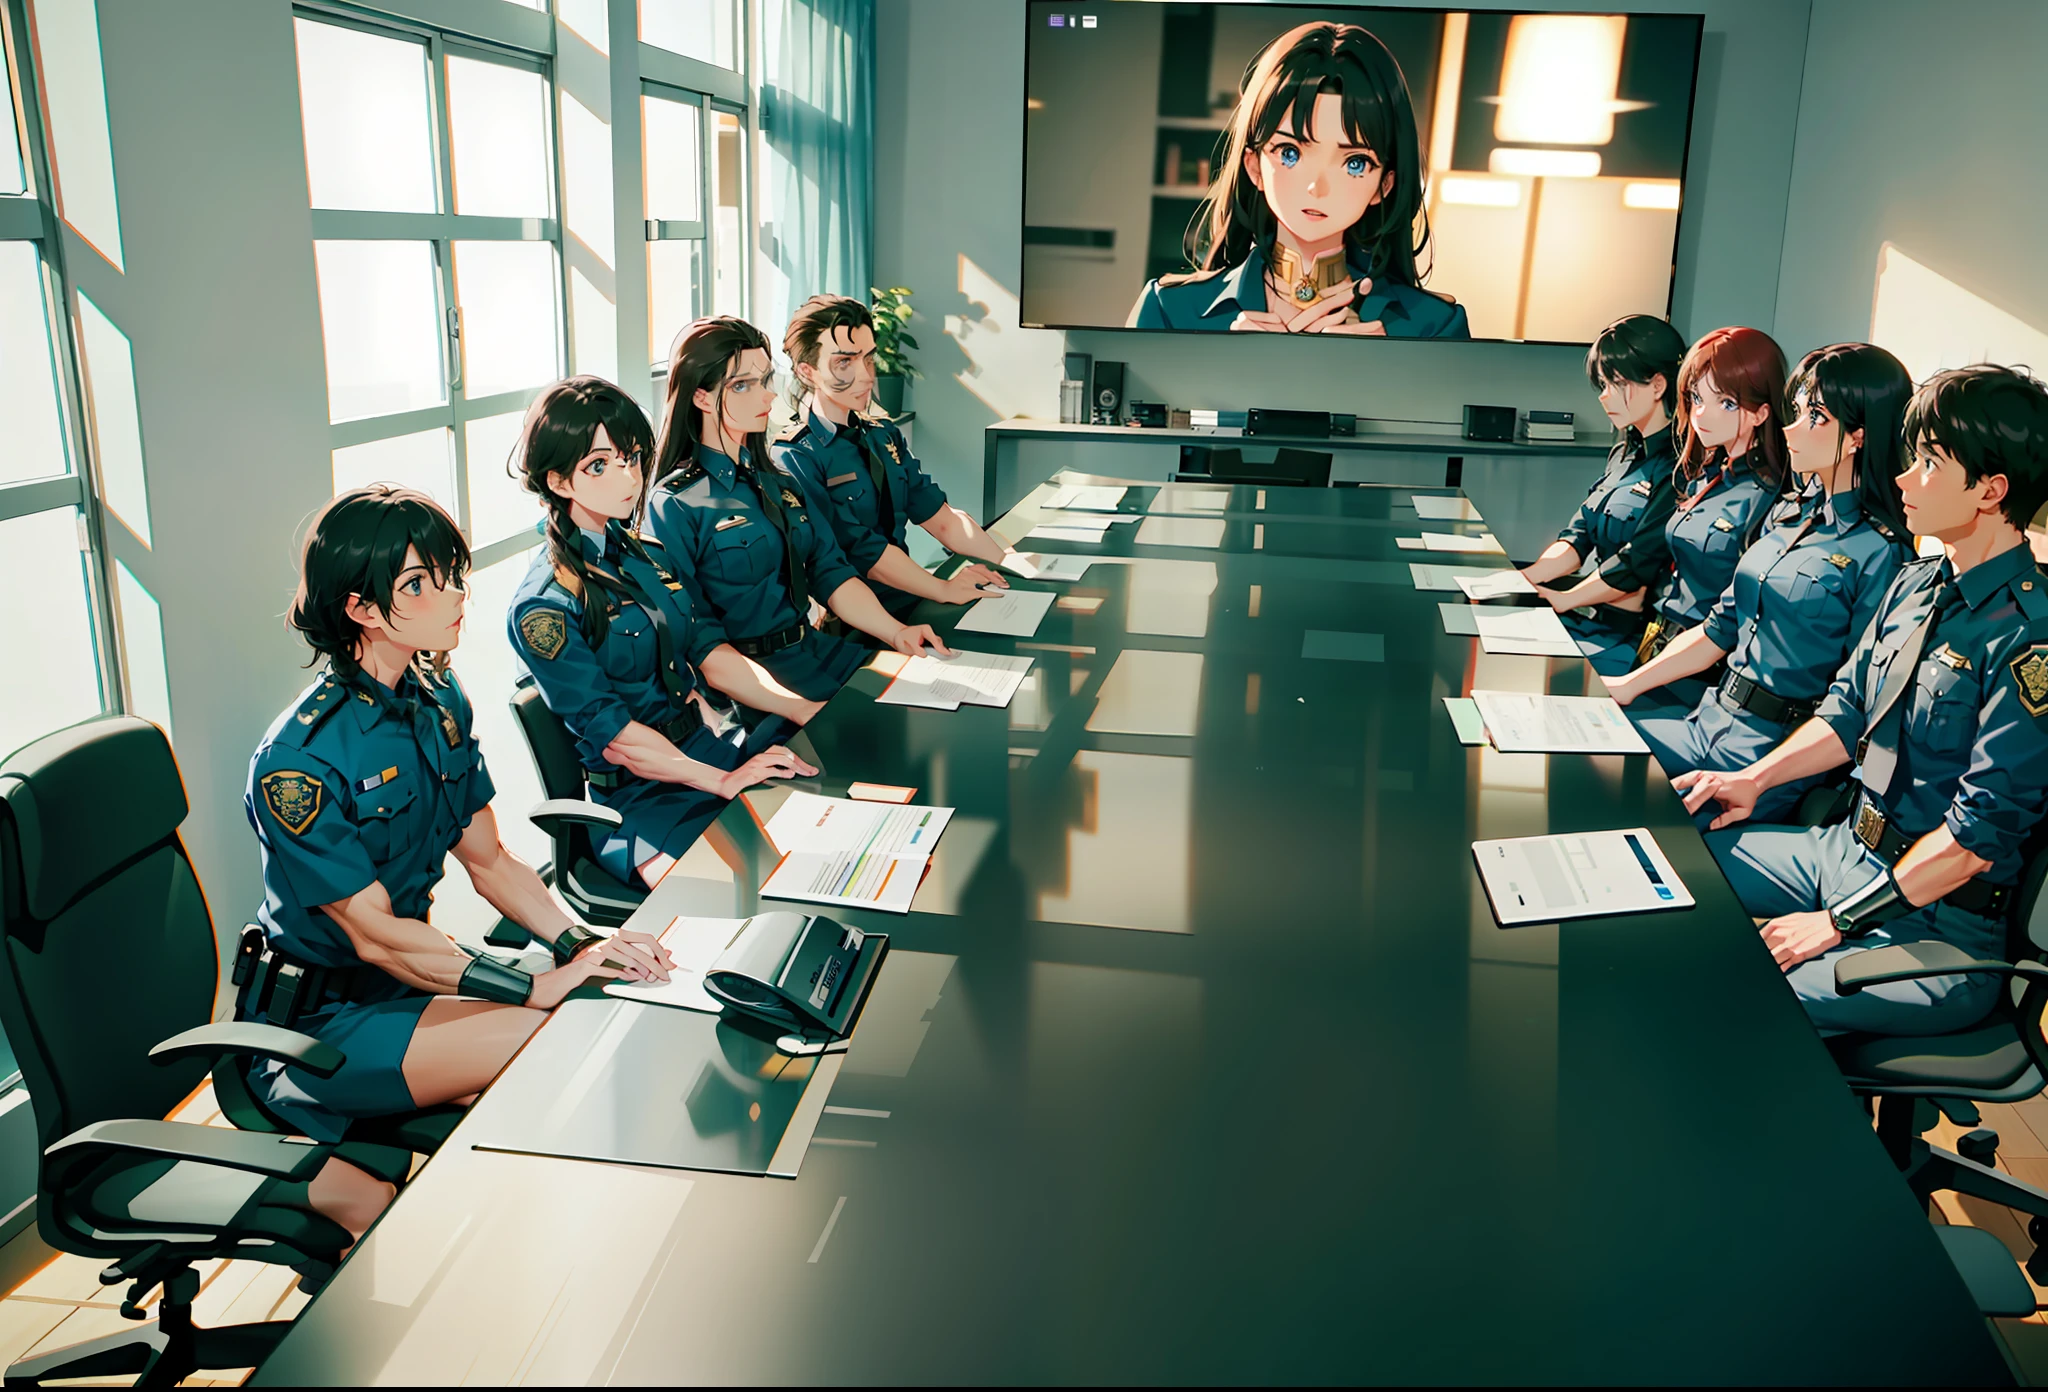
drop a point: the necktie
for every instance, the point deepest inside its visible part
(1882, 729)
(878, 474)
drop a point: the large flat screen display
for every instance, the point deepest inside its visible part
(1351, 170)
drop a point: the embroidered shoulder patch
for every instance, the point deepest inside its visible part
(2030, 673)
(545, 631)
(1839, 561)
(292, 797)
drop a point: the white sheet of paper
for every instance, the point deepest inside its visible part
(1537, 631)
(1410, 543)
(1482, 545)
(1495, 583)
(947, 683)
(867, 855)
(1462, 620)
(1523, 722)
(695, 944)
(1540, 879)
(1446, 577)
(1440, 509)
(1085, 535)
(1089, 497)
(1015, 612)
(1034, 566)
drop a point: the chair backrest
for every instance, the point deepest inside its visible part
(1310, 468)
(549, 742)
(106, 945)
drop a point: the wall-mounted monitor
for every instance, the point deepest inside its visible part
(1483, 174)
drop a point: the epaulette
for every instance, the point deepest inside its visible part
(326, 697)
(2030, 592)
(797, 431)
(1885, 529)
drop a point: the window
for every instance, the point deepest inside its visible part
(674, 162)
(431, 165)
(706, 30)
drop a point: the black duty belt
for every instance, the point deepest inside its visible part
(285, 989)
(1627, 621)
(1742, 693)
(1885, 841)
(675, 732)
(769, 642)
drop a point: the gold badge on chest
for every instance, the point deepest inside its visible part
(1306, 283)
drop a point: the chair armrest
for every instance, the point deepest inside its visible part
(241, 1037)
(1881, 966)
(573, 810)
(282, 1157)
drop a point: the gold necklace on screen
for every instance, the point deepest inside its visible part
(1304, 284)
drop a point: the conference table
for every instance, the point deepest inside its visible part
(1199, 1056)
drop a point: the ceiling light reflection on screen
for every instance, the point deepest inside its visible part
(1660, 195)
(1554, 164)
(1559, 79)
(1481, 193)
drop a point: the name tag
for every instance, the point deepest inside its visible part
(843, 478)
(736, 520)
(1722, 524)
(376, 781)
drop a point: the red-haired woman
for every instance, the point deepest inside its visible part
(1731, 470)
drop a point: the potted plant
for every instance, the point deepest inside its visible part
(893, 371)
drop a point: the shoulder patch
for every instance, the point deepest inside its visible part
(293, 798)
(2029, 668)
(545, 631)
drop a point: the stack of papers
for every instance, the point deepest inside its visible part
(1495, 583)
(1443, 577)
(1536, 631)
(947, 683)
(866, 855)
(1441, 509)
(1524, 722)
(1539, 879)
(1015, 612)
(1077, 526)
(1482, 545)
(695, 944)
(1092, 497)
(1033, 566)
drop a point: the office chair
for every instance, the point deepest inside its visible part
(1288, 467)
(106, 947)
(567, 818)
(2002, 1058)
(1305, 468)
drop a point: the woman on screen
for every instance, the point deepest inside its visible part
(1314, 222)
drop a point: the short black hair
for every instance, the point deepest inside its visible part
(1990, 420)
(1635, 348)
(357, 546)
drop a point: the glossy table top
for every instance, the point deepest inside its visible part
(1201, 1058)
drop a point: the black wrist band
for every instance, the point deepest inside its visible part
(1880, 901)
(494, 981)
(573, 940)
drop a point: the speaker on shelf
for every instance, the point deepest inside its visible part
(1343, 423)
(1109, 393)
(1495, 423)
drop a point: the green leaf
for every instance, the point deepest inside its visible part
(906, 340)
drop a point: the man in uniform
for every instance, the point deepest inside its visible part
(1943, 705)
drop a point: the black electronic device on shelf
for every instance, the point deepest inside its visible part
(802, 973)
(1494, 423)
(1311, 425)
(1108, 397)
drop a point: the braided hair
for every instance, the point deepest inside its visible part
(559, 427)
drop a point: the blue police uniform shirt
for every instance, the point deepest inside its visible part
(358, 783)
(1210, 301)
(717, 538)
(829, 460)
(1973, 746)
(597, 693)
(1621, 522)
(1708, 538)
(1803, 593)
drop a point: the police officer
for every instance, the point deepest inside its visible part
(1730, 473)
(1806, 590)
(752, 538)
(611, 637)
(1944, 707)
(865, 469)
(1633, 364)
(358, 793)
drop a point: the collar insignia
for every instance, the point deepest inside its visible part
(1950, 658)
(1722, 524)
(451, 730)
(791, 498)
(1641, 487)
(545, 630)
(293, 798)
(2030, 674)
(1839, 561)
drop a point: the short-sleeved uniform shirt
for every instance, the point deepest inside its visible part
(1621, 523)
(710, 523)
(597, 692)
(1707, 539)
(1973, 744)
(1214, 300)
(842, 464)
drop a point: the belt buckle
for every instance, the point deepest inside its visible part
(1869, 825)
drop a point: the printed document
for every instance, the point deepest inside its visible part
(947, 683)
(695, 944)
(1482, 545)
(1033, 566)
(867, 855)
(1441, 509)
(1493, 584)
(1446, 577)
(1540, 879)
(1536, 631)
(1522, 722)
(1088, 497)
(1015, 612)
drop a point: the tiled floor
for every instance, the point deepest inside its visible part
(64, 1303)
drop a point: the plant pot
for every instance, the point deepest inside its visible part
(890, 389)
